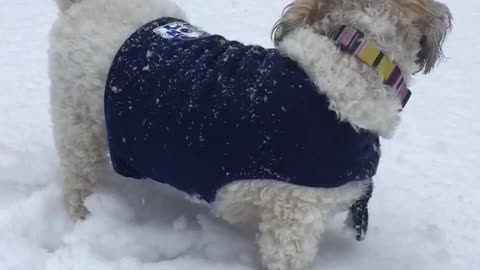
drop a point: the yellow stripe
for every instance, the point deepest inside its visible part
(386, 68)
(369, 53)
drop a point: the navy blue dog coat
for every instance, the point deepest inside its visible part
(197, 111)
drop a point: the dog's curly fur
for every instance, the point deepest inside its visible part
(88, 33)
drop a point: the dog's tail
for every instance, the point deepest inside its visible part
(63, 5)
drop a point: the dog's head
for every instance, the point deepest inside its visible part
(410, 32)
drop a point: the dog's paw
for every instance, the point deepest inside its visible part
(75, 207)
(78, 212)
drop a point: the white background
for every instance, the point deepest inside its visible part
(424, 214)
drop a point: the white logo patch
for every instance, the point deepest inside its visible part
(179, 30)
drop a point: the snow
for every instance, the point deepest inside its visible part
(424, 214)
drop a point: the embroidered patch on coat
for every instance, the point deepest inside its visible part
(179, 30)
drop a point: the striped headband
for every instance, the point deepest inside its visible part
(350, 40)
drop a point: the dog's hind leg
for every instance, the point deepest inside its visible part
(81, 148)
(79, 133)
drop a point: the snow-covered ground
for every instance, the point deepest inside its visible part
(424, 214)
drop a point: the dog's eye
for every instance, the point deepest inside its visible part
(185, 30)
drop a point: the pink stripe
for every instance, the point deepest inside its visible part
(346, 36)
(399, 82)
(402, 90)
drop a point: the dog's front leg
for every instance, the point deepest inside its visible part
(357, 219)
(288, 236)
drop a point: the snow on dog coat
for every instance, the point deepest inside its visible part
(197, 112)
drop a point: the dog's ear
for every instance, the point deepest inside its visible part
(434, 22)
(299, 14)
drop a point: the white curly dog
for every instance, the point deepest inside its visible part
(88, 34)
